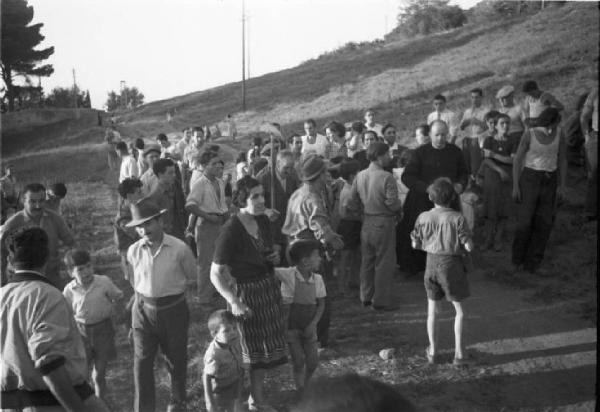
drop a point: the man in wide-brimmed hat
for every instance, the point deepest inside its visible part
(163, 266)
(307, 218)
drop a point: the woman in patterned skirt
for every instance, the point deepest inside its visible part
(242, 272)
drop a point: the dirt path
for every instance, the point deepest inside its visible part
(532, 355)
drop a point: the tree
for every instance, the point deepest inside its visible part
(19, 39)
(429, 16)
(66, 97)
(113, 101)
(87, 102)
(130, 97)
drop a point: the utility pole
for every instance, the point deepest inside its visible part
(248, 47)
(74, 90)
(123, 94)
(243, 55)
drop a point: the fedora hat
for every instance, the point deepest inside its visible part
(311, 167)
(142, 211)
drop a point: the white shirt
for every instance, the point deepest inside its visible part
(447, 116)
(203, 195)
(475, 113)
(376, 127)
(94, 304)
(319, 147)
(165, 272)
(129, 168)
(289, 277)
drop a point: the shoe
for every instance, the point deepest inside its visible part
(366, 303)
(431, 359)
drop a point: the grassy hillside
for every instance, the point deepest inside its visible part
(556, 46)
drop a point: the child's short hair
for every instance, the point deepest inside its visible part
(257, 141)
(301, 249)
(349, 168)
(76, 257)
(441, 192)
(59, 190)
(218, 318)
(128, 186)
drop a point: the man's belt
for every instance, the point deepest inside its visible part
(161, 303)
(22, 398)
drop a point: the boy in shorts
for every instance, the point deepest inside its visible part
(92, 297)
(349, 228)
(443, 233)
(223, 374)
(303, 294)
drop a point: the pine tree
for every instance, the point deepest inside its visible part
(87, 102)
(19, 38)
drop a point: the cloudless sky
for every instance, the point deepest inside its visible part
(173, 47)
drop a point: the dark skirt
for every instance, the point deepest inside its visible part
(263, 334)
(496, 195)
(409, 259)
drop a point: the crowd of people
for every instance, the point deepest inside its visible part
(263, 251)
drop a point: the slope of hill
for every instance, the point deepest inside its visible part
(556, 46)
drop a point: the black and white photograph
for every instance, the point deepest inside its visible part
(298, 205)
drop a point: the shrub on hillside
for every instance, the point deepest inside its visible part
(422, 17)
(492, 10)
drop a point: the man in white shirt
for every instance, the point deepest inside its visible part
(168, 150)
(207, 201)
(148, 178)
(442, 113)
(129, 166)
(312, 142)
(163, 266)
(472, 126)
(370, 122)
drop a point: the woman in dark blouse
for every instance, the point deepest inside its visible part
(242, 272)
(430, 161)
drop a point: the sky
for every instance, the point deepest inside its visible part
(168, 48)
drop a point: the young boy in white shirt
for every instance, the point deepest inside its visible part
(92, 298)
